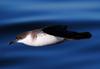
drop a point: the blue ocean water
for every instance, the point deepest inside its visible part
(22, 15)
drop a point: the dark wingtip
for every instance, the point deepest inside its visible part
(78, 36)
(86, 34)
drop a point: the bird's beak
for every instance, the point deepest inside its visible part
(12, 42)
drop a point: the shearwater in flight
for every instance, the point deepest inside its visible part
(49, 35)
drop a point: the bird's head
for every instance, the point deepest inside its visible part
(19, 38)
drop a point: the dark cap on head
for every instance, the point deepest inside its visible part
(21, 36)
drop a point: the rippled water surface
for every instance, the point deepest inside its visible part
(22, 15)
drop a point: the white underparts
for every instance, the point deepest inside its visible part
(42, 39)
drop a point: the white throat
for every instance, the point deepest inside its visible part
(27, 40)
(41, 39)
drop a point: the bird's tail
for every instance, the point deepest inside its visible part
(77, 36)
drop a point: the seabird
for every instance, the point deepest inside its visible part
(49, 35)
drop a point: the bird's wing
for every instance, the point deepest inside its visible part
(61, 31)
(56, 30)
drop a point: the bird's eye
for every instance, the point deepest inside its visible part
(18, 37)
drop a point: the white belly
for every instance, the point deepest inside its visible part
(42, 39)
(45, 39)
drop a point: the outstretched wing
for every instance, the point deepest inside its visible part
(61, 31)
(56, 30)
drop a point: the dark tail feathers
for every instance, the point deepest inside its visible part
(82, 35)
